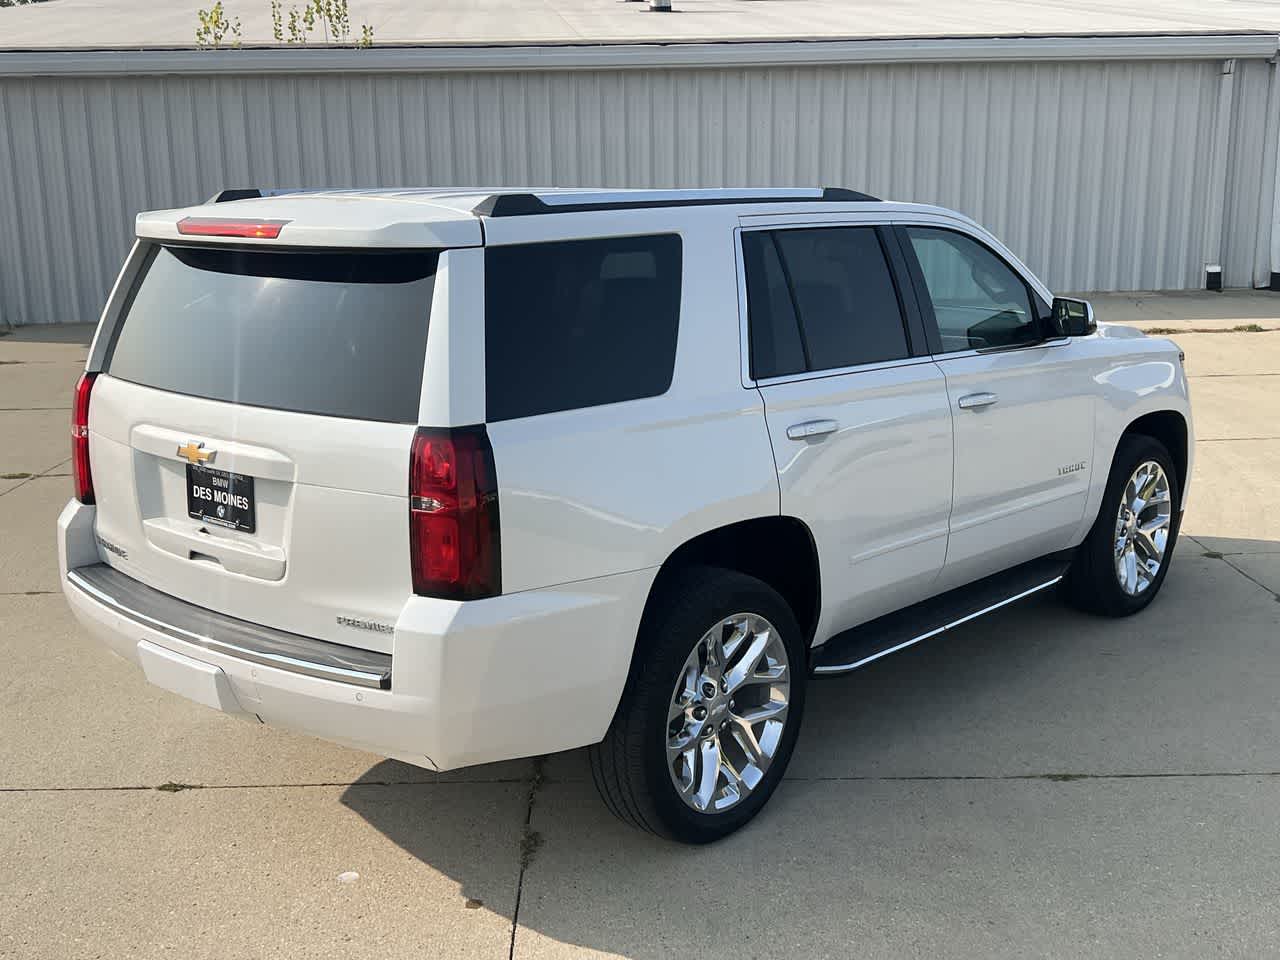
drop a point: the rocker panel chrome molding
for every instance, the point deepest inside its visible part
(835, 668)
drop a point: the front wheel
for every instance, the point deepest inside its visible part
(1122, 564)
(711, 711)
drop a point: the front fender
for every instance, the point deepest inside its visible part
(1135, 375)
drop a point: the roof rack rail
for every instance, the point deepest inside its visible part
(529, 204)
(256, 193)
(844, 194)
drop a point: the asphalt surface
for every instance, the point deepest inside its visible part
(1038, 783)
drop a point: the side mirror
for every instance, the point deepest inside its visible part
(1074, 318)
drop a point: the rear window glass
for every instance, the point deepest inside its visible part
(579, 323)
(342, 334)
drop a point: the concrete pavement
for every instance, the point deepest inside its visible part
(1037, 783)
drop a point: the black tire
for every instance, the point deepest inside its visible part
(1091, 583)
(630, 765)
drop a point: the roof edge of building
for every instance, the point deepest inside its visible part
(628, 55)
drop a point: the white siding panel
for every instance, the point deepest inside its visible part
(1093, 171)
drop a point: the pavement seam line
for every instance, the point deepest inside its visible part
(1206, 376)
(1232, 439)
(530, 841)
(17, 486)
(1219, 554)
(177, 787)
(1248, 576)
(1049, 777)
(42, 475)
(1225, 558)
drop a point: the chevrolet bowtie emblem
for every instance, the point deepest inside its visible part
(196, 453)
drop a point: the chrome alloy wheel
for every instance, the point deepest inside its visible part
(1142, 528)
(727, 713)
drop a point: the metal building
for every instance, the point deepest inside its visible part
(1109, 163)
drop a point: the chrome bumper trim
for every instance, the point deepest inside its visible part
(226, 635)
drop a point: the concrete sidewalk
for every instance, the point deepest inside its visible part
(1039, 783)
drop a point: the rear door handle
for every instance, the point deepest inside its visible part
(973, 401)
(811, 428)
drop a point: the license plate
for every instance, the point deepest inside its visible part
(216, 496)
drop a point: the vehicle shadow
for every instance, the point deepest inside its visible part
(982, 774)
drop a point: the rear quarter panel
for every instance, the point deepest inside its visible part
(604, 490)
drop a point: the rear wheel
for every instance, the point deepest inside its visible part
(1122, 564)
(711, 711)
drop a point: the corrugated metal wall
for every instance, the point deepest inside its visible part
(1247, 220)
(1095, 171)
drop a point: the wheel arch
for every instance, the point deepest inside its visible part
(1170, 428)
(1091, 580)
(780, 550)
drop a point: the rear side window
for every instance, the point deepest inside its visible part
(336, 333)
(775, 332)
(839, 289)
(579, 323)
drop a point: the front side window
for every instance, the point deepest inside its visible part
(978, 301)
(579, 323)
(820, 299)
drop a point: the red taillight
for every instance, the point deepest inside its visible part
(222, 227)
(80, 439)
(453, 514)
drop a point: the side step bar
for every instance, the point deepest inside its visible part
(227, 635)
(896, 631)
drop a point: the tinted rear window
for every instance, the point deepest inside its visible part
(579, 323)
(336, 333)
(845, 296)
(776, 349)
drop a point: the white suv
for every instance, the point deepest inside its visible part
(463, 476)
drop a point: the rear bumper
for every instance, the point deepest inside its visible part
(518, 675)
(216, 632)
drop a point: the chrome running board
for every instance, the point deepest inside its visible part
(869, 642)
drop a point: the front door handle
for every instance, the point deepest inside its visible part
(973, 401)
(811, 428)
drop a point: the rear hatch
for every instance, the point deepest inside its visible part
(251, 427)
